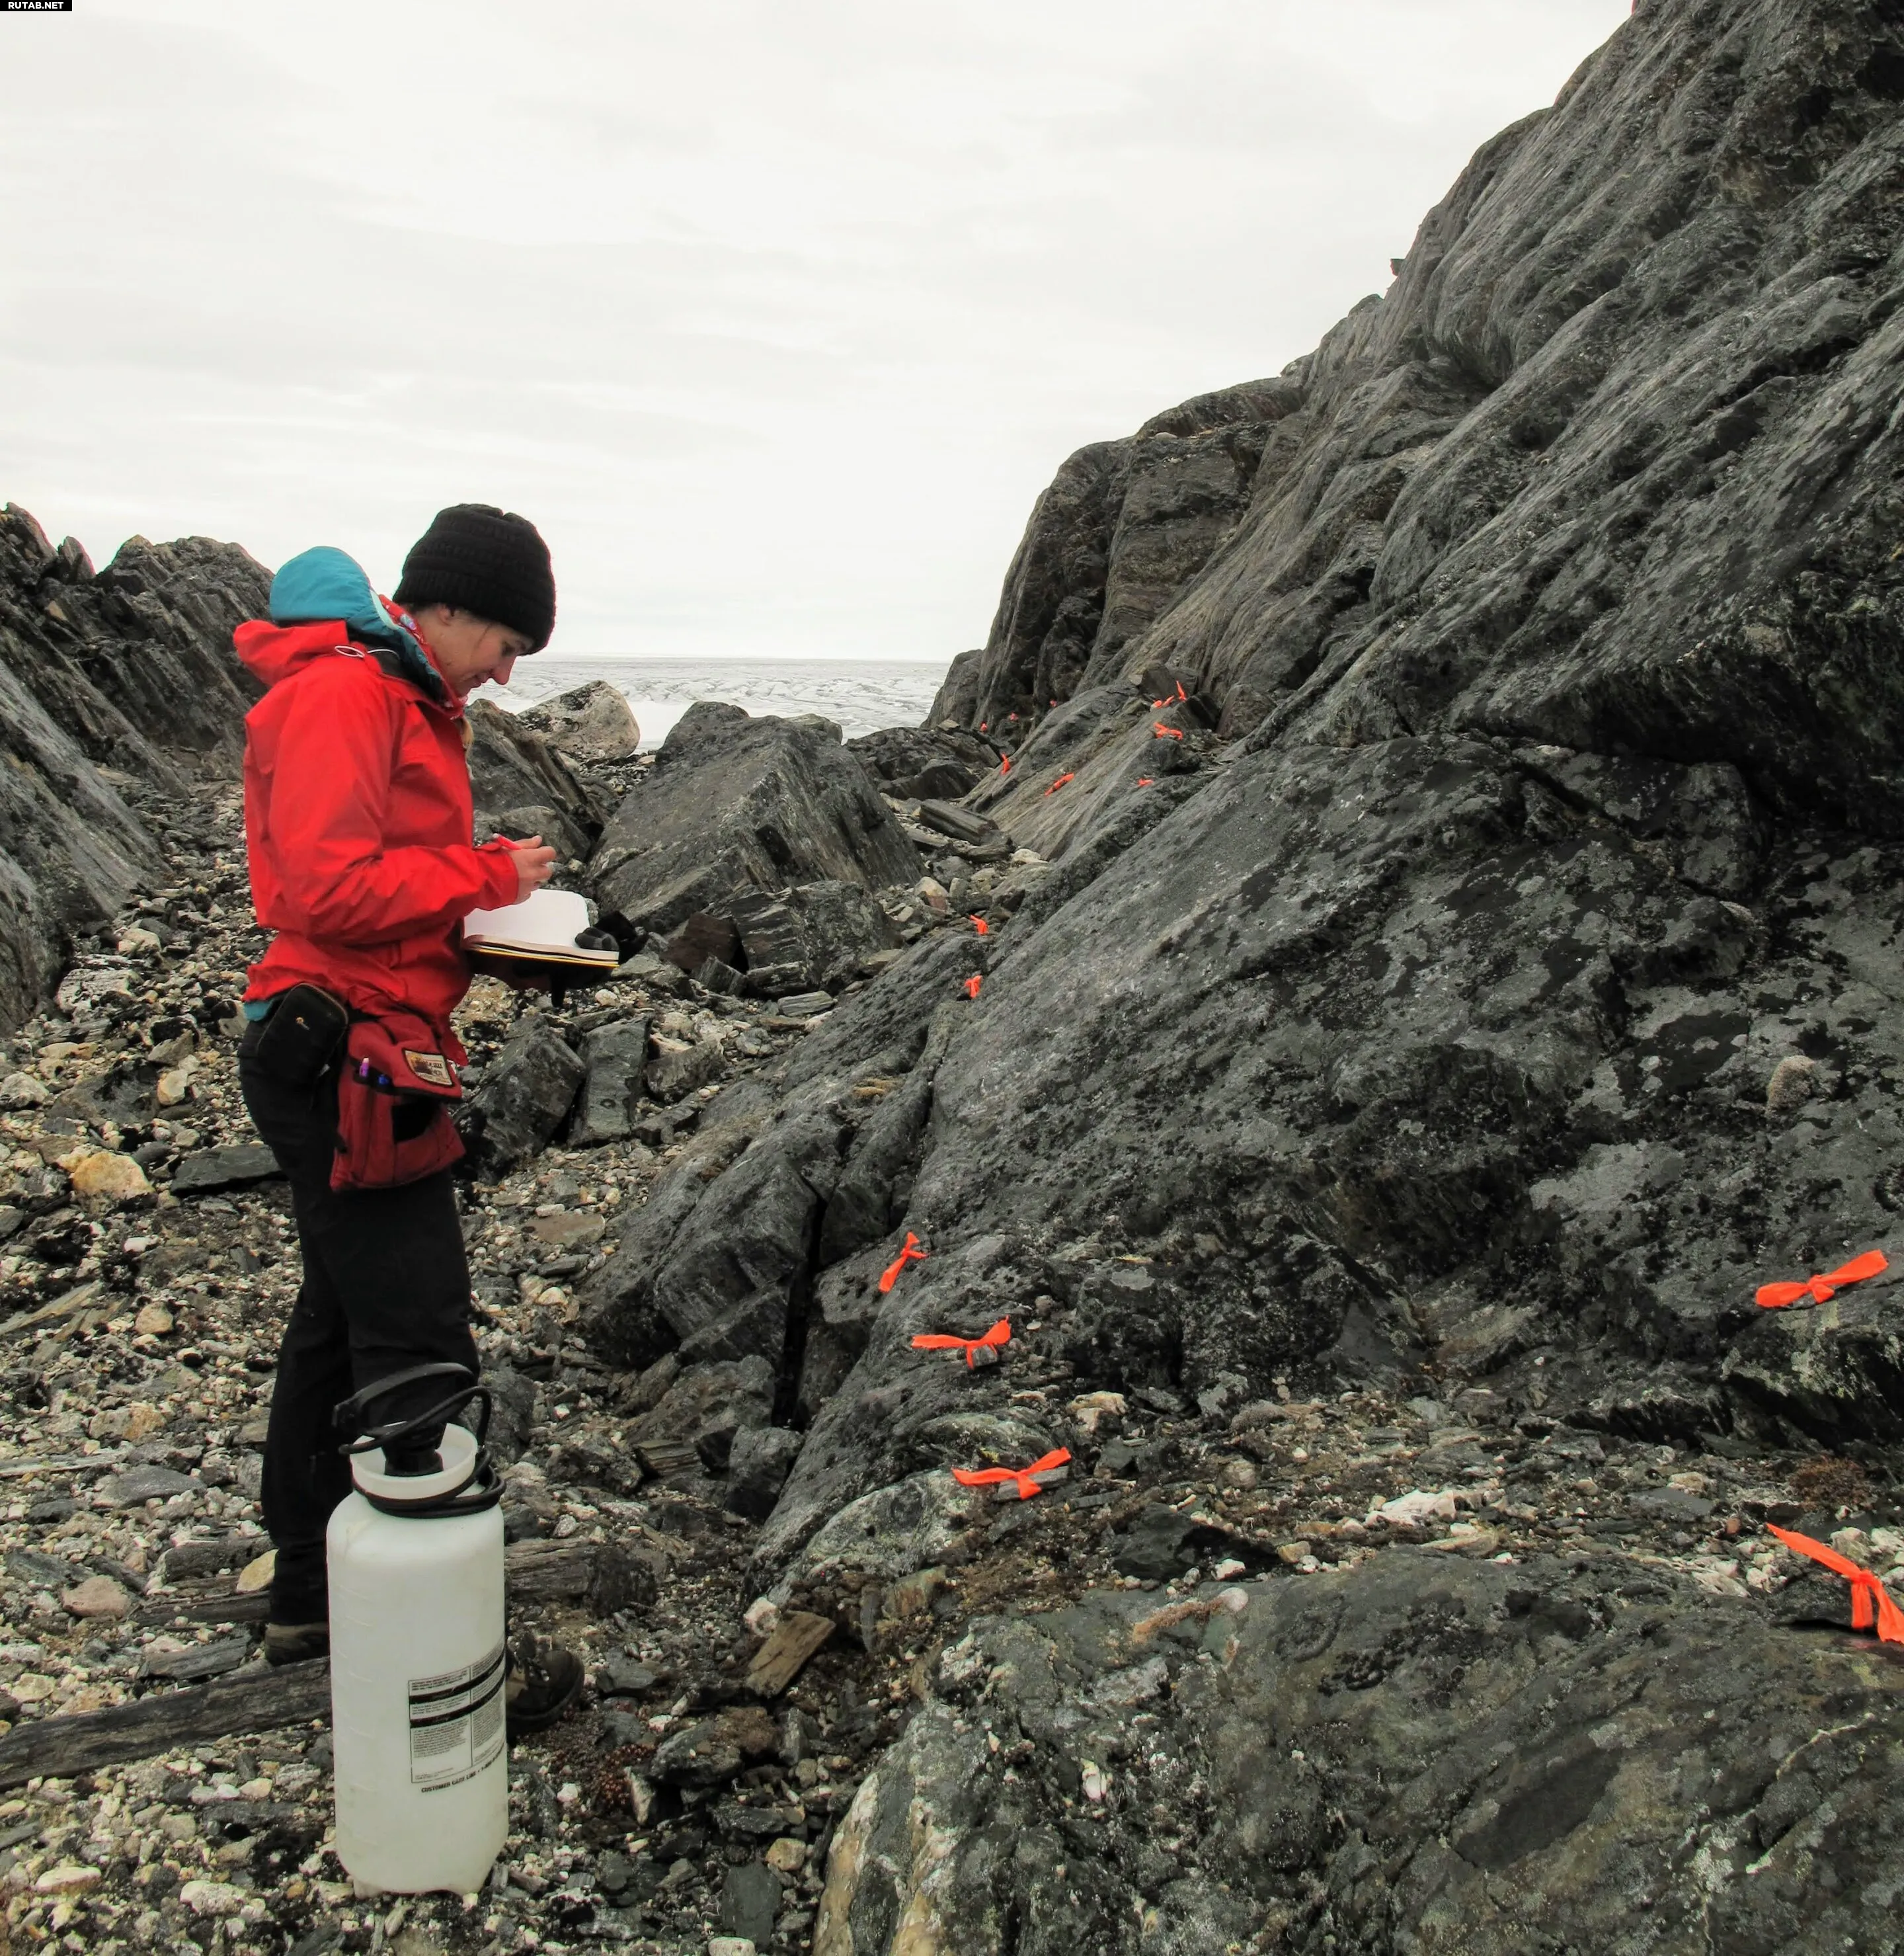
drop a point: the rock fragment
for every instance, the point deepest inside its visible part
(524, 1095)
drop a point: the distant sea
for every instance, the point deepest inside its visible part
(861, 695)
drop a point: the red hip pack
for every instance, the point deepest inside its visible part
(394, 1092)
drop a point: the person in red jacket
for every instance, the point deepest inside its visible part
(358, 825)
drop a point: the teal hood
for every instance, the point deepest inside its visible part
(324, 583)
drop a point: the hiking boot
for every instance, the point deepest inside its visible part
(545, 1680)
(296, 1643)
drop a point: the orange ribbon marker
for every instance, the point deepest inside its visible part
(1158, 727)
(981, 927)
(1026, 1477)
(937, 1341)
(1869, 1597)
(972, 984)
(1821, 1290)
(912, 1253)
(1059, 782)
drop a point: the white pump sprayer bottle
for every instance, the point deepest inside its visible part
(417, 1671)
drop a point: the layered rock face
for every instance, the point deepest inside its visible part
(1612, 464)
(1111, 543)
(110, 683)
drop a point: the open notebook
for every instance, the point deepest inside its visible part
(548, 927)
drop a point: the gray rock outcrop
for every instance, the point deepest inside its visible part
(1609, 465)
(1471, 986)
(110, 684)
(1353, 1761)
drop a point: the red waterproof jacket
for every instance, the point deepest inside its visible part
(358, 824)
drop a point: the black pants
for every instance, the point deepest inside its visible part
(386, 1286)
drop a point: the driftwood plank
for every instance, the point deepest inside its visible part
(542, 1569)
(259, 1701)
(534, 1571)
(779, 1661)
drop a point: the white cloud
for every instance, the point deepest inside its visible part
(775, 314)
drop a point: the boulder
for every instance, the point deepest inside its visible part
(954, 706)
(98, 1596)
(750, 1903)
(614, 1060)
(735, 803)
(211, 1171)
(593, 722)
(908, 762)
(818, 937)
(845, 930)
(710, 1752)
(138, 1484)
(701, 936)
(757, 1466)
(526, 1091)
(707, 1405)
(512, 1414)
(962, 825)
(678, 1067)
(100, 1174)
(770, 937)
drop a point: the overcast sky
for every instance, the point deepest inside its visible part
(775, 315)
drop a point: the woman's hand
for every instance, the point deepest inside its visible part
(534, 865)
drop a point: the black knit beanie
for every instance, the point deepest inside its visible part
(474, 557)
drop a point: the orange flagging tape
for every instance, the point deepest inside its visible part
(937, 1341)
(1158, 727)
(1026, 1477)
(912, 1253)
(972, 984)
(981, 927)
(1821, 1290)
(1059, 783)
(1869, 1597)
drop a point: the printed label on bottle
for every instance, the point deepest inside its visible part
(456, 1721)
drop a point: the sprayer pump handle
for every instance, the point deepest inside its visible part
(348, 1416)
